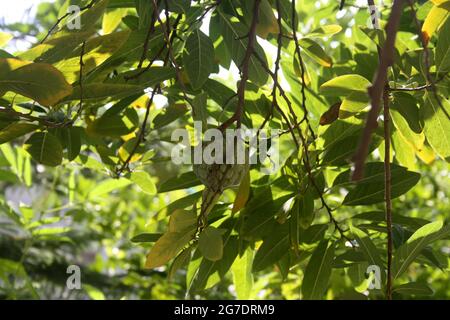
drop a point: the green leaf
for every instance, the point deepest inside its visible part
(355, 102)
(115, 125)
(182, 227)
(260, 212)
(413, 288)
(170, 114)
(338, 156)
(325, 31)
(16, 130)
(101, 91)
(200, 108)
(234, 33)
(380, 216)
(306, 209)
(209, 272)
(318, 271)
(146, 78)
(443, 49)
(180, 261)
(437, 124)
(210, 244)
(144, 10)
(316, 52)
(56, 49)
(97, 50)
(267, 22)
(185, 180)
(146, 237)
(344, 85)
(179, 6)
(70, 139)
(107, 186)
(369, 250)
(44, 148)
(218, 92)
(370, 189)
(405, 117)
(94, 293)
(182, 220)
(409, 251)
(273, 248)
(243, 194)
(144, 181)
(167, 247)
(25, 78)
(89, 17)
(242, 275)
(198, 58)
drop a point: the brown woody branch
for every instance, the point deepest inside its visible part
(80, 108)
(378, 87)
(237, 116)
(150, 31)
(387, 191)
(302, 70)
(171, 54)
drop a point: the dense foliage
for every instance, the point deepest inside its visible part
(87, 179)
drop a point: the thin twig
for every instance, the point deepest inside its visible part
(141, 134)
(88, 6)
(302, 70)
(80, 109)
(277, 67)
(26, 116)
(152, 61)
(156, 89)
(387, 191)
(150, 31)
(171, 55)
(237, 116)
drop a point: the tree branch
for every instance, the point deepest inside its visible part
(376, 90)
(237, 116)
(387, 191)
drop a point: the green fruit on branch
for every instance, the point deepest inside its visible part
(219, 176)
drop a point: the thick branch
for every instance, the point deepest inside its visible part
(378, 87)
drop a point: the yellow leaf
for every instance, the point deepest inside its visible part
(267, 21)
(141, 102)
(426, 154)
(38, 81)
(182, 220)
(4, 38)
(435, 18)
(128, 147)
(167, 247)
(242, 194)
(112, 19)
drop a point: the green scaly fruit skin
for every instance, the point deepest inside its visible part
(216, 178)
(219, 176)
